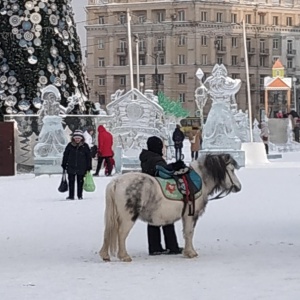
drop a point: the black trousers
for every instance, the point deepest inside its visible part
(194, 155)
(99, 164)
(154, 238)
(71, 178)
(267, 148)
(178, 153)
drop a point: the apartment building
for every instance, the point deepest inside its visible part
(175, 38)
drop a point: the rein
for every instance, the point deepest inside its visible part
(224, 193)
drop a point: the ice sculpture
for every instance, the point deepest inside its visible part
(136, 117)
(220, 131)
(52, 139)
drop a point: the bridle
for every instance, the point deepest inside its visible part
(224, 193)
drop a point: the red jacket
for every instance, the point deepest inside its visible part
(105, 142)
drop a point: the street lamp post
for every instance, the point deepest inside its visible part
(155, 72)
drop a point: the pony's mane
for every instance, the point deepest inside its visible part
(214, 166)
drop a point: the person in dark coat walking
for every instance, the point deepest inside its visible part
(105, 152)
(149, 160)
(76, 161)
(178, 138)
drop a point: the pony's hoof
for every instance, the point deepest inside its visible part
(105, 257)
(126, 259)
(190, 254)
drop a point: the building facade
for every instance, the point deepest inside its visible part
(175, 38)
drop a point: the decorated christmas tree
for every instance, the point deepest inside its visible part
(39, 46)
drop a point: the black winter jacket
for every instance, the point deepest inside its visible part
(77, 158)
(178, 138)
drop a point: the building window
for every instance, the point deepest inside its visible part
(142, 45)
(182, 97)
(203, 16)
(142, 19)
(101, 62)
(290, 63)
(100, 44)
(220, 60)
(160, 44)
(181, 59)
(122, 19)
(142, 79)
(160, 16)
(122, 60)
(122, 45)
(248, 19)
(262, 19)
(234, 42)
(123, 80)
(275, 20)
(204, 59)
(262, 44)
(160, 78)
(234, 60)
(181, 40)
(203, 40)
(274, 58)
(142, 60)
(181, 15)
(235, 76)
(275, 44)
(289, 21)
(289, 46)
(262, 61)
(101, 81)
(181, 78)
(219, 17)
(262, 80)
(101, 99)
(233, 18)
(161, 60)
(101, 20)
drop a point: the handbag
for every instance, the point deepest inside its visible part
(89, 185)
(63, 187)
(94, 151)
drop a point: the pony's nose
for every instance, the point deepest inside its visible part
(236, 188)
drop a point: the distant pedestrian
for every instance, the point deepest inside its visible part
(77, 162)
(88, 137)
(178, 138)
(264, 134)
(195, 138)
(105, 152)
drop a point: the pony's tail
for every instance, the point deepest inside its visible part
(111, 230)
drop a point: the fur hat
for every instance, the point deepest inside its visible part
(78, 133)
(155, 145)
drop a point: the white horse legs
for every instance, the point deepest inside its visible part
(188, 233)
(124, 229)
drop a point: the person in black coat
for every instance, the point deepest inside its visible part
(76, 161)
(178, 138)
(149, 160)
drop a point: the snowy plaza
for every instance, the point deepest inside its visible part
(248, 244)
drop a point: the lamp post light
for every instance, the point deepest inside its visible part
(142, 87)
(295, 96)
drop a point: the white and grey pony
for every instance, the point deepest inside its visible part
(136, 195)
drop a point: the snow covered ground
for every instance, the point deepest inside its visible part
(248, 244)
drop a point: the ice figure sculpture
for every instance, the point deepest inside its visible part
(52, 139)
(220, 130)
(242, 124)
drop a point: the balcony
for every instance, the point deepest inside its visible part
(291, 53)
(221, 50)
(159, 49)
(291, 70)
(264, 52)
(121, 51)
(251, 51)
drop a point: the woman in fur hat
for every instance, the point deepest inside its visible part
(76, 161)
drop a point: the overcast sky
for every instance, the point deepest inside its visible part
(80, 17)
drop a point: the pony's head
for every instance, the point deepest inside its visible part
(217, 171)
